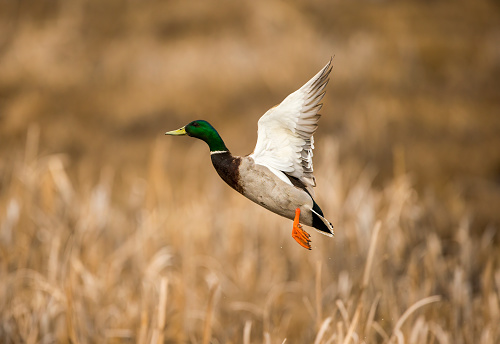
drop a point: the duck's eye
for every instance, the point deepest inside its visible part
(196, 124)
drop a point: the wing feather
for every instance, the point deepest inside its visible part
(285, 140)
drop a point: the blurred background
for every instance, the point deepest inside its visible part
(93, 85)
(105, 79)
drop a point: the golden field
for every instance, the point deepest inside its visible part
(111, 232)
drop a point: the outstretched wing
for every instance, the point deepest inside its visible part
(285, 140)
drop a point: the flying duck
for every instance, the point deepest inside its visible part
(278, 175)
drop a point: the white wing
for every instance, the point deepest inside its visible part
(285, 140)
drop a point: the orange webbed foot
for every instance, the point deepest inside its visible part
(300, 235)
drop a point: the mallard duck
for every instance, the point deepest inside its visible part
(278, 175)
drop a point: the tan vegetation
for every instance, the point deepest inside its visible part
(111, 232)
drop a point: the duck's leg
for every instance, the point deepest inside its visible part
(300, 235)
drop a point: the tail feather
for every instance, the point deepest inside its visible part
(320, 223)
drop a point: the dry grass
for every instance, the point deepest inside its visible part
(196, 262)
(111, 232)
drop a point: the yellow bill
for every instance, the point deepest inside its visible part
(177, 132)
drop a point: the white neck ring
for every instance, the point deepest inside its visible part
(218, 152)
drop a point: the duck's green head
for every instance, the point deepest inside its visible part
(204, 131)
